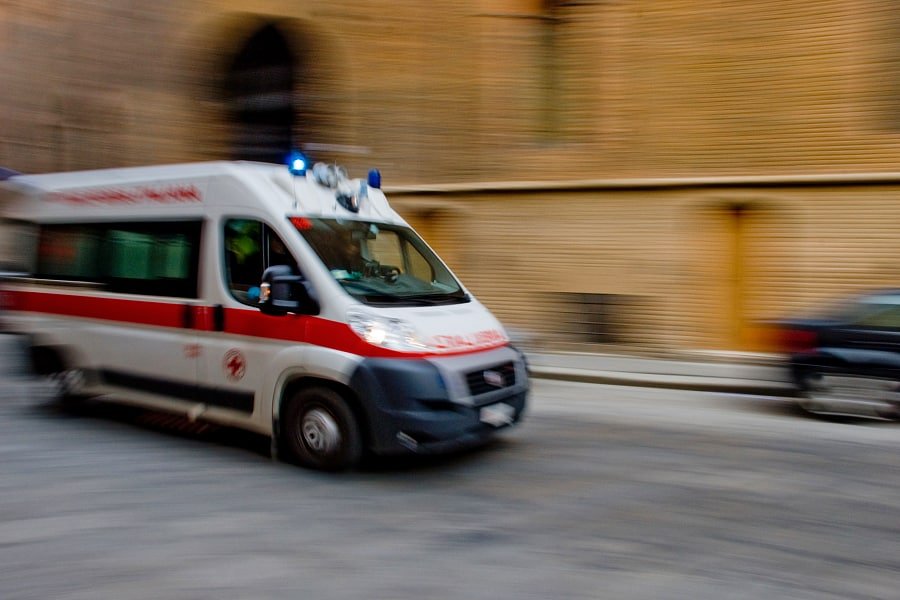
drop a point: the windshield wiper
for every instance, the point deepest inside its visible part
(371, 293)
(434, 299)
(374, 294)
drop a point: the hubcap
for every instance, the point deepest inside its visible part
(320, 431)
(68, 382)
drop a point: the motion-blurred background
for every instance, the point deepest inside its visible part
(639, 175)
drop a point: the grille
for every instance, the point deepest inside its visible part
(487, 379)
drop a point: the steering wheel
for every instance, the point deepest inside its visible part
(390, 274)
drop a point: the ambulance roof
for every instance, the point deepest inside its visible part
(186, 188)
(67, 180)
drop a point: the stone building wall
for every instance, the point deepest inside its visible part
(474, 90)
(581, 137)
(673, 265)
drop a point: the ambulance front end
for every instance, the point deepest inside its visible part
(432, 368)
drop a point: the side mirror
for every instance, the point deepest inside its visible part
(282, 291)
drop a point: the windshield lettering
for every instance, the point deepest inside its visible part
(488, 337)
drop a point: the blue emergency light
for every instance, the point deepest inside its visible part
(297, 163)
(375, 179)
(7, 173)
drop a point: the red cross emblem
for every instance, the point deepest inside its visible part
(235, 365)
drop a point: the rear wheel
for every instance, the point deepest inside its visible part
(66, 383)
(813, 387)
(318, 430)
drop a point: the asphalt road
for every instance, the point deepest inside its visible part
(604, 492)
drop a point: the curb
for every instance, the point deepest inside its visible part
(675, 382)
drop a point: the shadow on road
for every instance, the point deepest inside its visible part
(180, 427)
(157, 422)
(790, 409)
(432, 463)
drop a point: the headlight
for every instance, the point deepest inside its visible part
(395, 334)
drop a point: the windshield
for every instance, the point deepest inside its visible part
(380, 264)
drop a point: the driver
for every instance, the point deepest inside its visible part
(343, 257)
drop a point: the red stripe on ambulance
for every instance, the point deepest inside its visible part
(245, 322)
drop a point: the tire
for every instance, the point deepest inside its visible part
(815, 400)
(319, 431)
(65, 383)
(68, 385)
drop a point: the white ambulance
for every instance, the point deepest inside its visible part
(291, 302)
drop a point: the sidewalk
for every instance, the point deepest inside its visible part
(731, 372)
(734, 373)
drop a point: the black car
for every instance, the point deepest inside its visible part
(847, 362)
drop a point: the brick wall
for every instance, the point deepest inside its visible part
(471, 91)
(517, 91)
(677, 266)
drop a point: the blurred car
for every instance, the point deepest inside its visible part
(847, 362)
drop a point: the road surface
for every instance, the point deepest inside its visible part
(603, 492)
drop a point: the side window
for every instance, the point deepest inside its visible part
(884, 318)
(243, 257)
(154, 259)
(418, 264)
(251, 246)
(70, 252)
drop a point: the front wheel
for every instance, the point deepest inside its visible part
(318, 430)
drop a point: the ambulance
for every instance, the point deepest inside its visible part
(290, 301)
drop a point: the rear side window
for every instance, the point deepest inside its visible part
(157, 259)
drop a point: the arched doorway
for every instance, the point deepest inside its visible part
(260, 94)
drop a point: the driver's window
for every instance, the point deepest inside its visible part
(250, 247)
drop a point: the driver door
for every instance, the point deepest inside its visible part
(238, 352)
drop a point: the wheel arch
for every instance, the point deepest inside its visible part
(49, 358)
(301, 382)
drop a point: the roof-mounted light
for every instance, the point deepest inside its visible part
(297, 163)
(7, 173)
(329, 175)
(349, 193)
(374, 179)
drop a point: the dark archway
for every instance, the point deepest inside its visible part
(260, 93)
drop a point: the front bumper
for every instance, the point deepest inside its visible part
(439, 405)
